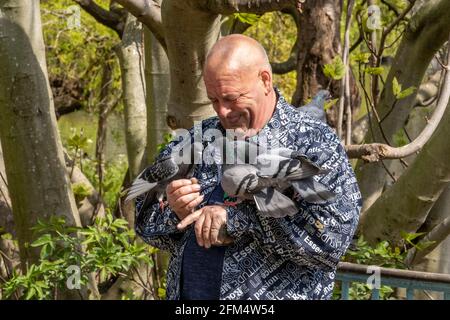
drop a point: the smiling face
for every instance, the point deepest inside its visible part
(241, 93)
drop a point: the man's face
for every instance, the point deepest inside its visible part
(237, 99)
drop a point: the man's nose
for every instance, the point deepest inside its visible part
(223, 109)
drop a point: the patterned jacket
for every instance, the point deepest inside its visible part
(294, 257)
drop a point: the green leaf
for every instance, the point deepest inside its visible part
(81, 190)
(162, 293)
(424, 244)
(45, 239)
(30, 293)
(249, 18)
(330, 103)
(362, 57)
(334, 70)
(406, 93)
(396, 87)
(6, 236)
(374, 70)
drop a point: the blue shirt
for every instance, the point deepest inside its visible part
(202, 268)
(293, 257)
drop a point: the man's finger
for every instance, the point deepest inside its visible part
(191, 205)
(214, 233)
(198, 230)
(184, 200)
(190, 219)
(206, 231)
(174, 185)
(184, 190)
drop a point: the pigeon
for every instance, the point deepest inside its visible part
(316, 107)
(154, 179)
(274, 172)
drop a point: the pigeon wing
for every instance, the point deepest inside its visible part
(272, 203)
(312, 191)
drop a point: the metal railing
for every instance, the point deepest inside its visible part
(348, 273)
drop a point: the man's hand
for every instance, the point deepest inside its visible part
(183, 196)
(210, 226)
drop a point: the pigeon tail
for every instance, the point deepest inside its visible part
(139, 186)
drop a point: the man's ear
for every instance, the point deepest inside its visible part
(266, 78)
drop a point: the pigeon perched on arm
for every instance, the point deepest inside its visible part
(316, 107)
(154, 179)
(273, 173)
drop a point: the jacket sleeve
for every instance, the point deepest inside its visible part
(319, 234)
(157, 226)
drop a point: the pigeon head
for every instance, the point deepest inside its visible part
(239, 180)
(322, 95)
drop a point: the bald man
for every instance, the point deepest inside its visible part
(233, 252)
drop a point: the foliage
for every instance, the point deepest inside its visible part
(382, 255)
(335, 70)
(80, 191)
(107, 249)
(277, 34)
(410, 237)
(248, 18)
(166, 139)
(114, 170)
(398, 92)
(113, 175)
(76, 54)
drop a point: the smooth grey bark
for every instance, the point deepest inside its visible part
(157, 79)
(38, 183)
(437, 225)
(426, 32)
(405, 206)
(131, 58)
(6, 215)
(189, 37)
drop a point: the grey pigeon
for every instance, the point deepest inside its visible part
(154, 179)
(316, 107)
(274, 172)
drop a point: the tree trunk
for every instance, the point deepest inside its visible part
(6, 215)
(405, 206)
(427, 31)
(318, 33)
(157, 79)
(190, 34)
(319, 42)
(103, 114)
(131, 58)
(38, 183)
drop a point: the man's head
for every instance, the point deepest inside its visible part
(238, 80)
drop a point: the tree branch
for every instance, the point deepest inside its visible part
(247, 6)
(390, 28)
(376, 151)
(289, 65)
(431, 240)
(105, 17)
(149, 13)
(345, 57)
(391, 7)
